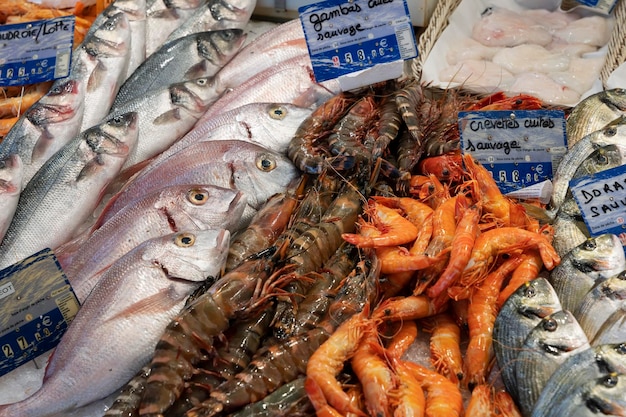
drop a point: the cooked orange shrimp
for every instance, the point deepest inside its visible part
(373, 373)
(393, 283)
(399, 259)
(317, 398)
(445, 346)
(528, 269)
(407, 308)
(328, 360)
(402, 339)
(481, 402)
(493, 201)
(355, 392)
(429, 189)
(387, 227)
(482, 312)
(415, 211)
(408, 398)
(462, 244)
(494, 242)
(505, 406)
(443, 397)
(444, 225)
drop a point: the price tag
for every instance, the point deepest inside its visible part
(34, 52)
(603, 6)
(37, 306)
(602, 201)
(345, 37)
(519, 148)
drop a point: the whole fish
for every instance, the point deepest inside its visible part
(180, 207)
(67, 188)
(600, 303)
(11, 171)
(594, 113)
(556, 338)
(194, 56)
(135, 11)
(569, 386)
(587, 264)
(45, 127)
(114, 333)
(291, 81)
(113, 40)
(614, 134)
(165, 115)
(521, 312)
(613, 330)
(164, 16)
(258, 172)
(215, 15)
(274, 46)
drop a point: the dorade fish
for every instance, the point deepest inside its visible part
(589, 263)
(45, 127)
(613, 330)
(600, 303)
(570, 390)
(165, 115)
(521, 312)
(11, 171)
(258, 172)
(67, 188)
(595, 112)
(164, 16)
(556, 338)
(180, 207)
(194, 56)
(115, 331)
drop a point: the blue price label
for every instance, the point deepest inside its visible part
(602, 201)
(344, 37)
(36, 51)
(519, 148)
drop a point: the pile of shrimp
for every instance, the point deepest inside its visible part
(16, 100)
(325, 292)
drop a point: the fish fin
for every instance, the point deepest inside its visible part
(96, 78)
(167, 117)
(41, 146)
(148, 305)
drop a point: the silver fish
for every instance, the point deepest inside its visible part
(521, 312)
(164, 16)
(600, 302)
(569, 386)
(67, 188)
(613, 330)
(114, 333)
(587, 264)
(45, 127)
(11, 171)
(594, 112)
(112, 40)
(274, 46)
(216, 15)
(556, 338)
(135, 11)
(258, 172)
(614, 134)
(180, 207)
(198, 55)
(165, 115)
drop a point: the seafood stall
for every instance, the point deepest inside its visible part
(214, 214)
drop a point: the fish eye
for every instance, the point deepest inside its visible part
(602, 158)
(266, 162)
(620, 348)
(530, 291)
(197, 196)
(184, 240)
(610, 131)
(622, 275)
(277, 112)
(202, 81)
(228, 34)
(550, 325)
(610, 380)
(589, 244)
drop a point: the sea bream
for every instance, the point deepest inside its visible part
(215, 15)
(194, 56)
(114, 333)
(595, 112)
(67, 188)
(11, 170)
(258, 172)
(45, 127)
(164, 16)
(165, 115)
(180, 207)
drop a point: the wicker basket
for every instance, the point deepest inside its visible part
(616, 53)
